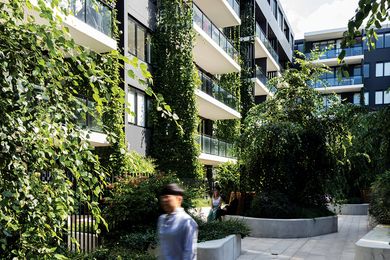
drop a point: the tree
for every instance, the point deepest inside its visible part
(369, 15)
(294, 149)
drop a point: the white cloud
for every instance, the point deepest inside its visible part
(314, 15)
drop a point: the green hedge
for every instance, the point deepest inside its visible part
(380, 199)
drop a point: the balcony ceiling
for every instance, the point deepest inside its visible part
(211, 108)
(219, 12)
(262, 52)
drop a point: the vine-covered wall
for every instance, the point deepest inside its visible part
(175, 150)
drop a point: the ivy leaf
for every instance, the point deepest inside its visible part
(131, 74)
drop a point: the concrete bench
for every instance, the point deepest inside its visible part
(349, 209)
(289, 228)
(228, 248)
(375, 245)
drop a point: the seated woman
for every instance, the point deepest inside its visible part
(216, 202)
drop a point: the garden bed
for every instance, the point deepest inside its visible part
(289, 228)
(349, 209)
(228, 248)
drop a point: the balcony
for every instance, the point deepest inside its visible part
(334, 85)
(224, 13)
(90, 23)
(261, 87)
(214, 102)
(93, 131)
(214, 151)
(353, 55)
(213, 51)
(264, 49)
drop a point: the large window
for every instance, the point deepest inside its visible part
(382, 97)
(138, 40)
(380, 41)
(366, 70)
(139, 105)
(382, 69)
(387, 40)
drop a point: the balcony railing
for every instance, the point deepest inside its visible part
(92, 12)
(235, 5)
(214, 33)
(213, 146)
(260, 75)
(334, 53)
(87, 120)
(333, 82)
(211, 88)
(264, 39)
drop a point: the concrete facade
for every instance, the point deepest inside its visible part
(350, 209)
(228, 248)
(374, 245)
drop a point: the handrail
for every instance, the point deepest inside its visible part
(211, 88)
(260, 33)
(213, 146)
(333, 82)
(214, 33)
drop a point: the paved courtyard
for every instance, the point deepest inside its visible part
(340, 245)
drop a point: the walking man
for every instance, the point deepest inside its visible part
(177, 231)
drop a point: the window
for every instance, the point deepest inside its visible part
(138, 40)
(366, 98)
(366, 70)
(382, 69)
(379, 70)
(356, 98)
(301, 47)
(280, 19)
(387, 69)
(274, 7)
(379, 41)
(378, 97)
(386, 97)
(357, 70)
(138, 104)
(387, 40)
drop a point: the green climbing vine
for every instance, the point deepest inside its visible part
(175, 78)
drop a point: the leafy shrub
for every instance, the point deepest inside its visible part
(115, 253)
(139, 241)
(380, 199)
(220, 229)
(278, 205)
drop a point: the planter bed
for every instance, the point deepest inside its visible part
(349, 209)
(228, 248)
(374, 245)
(289, 228)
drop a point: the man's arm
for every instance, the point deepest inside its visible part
(190, 238)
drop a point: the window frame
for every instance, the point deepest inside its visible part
(146, 107)
(147, 36)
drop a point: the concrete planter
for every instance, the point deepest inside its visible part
(349, 209)
(289, 228)
(374, 245)
(228, 248)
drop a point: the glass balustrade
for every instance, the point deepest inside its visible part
(213, 146)
(211, 88)
(333, 82)
(334, 53)
(235, 5)
(266, 42)
(214, 33)
(92, 12)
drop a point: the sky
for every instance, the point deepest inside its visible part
(316, 15)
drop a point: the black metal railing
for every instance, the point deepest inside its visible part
(213, 146)
(211, 88)
(214, 33)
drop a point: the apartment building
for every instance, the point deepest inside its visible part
(267, 44)
(214, 55)
(369, 70)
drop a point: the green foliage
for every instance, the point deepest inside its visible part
(221, 229)
(292, 146)
(380, 199)
(115, 253)
(369, 15)
(175, 150)
(228, 178)
(277, 205)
